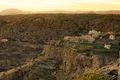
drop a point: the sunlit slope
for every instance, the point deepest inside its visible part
(42, 27)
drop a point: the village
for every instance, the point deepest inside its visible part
(96, 41)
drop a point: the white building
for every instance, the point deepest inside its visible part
(107, 46)
(112, 37)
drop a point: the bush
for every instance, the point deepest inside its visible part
(95, 76)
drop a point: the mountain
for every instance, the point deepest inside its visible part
(17, 11)
(99, 12)
(13, 12)
(83, 12)
(108, 12)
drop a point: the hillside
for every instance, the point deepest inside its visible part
(57, 61)
(59, 47)
(39, 28)
(11, 12)
(14, 12)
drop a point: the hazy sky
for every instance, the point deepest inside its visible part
(66, 5)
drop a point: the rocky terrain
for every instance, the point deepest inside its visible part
(59, 47)
(38, 28)
(57, 61)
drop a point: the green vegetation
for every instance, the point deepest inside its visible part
(95, 76)
(83, 47)
(92, 76)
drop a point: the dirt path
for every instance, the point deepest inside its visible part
(30, 63)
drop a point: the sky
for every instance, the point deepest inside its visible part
(60, 5)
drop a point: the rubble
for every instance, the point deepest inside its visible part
(72, 38)
(4, 40)
(110, 71)
(107, 46)
(94, 33)
(88, 38)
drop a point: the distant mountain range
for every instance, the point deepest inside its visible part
(14, 11)
(108, 12)
(17, 11)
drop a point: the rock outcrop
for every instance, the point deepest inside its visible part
(74, 63)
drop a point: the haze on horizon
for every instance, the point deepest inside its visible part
(62, 5)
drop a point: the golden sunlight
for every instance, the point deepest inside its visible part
(64, 5)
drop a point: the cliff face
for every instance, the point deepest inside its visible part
(74, 63)
(58, 61)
